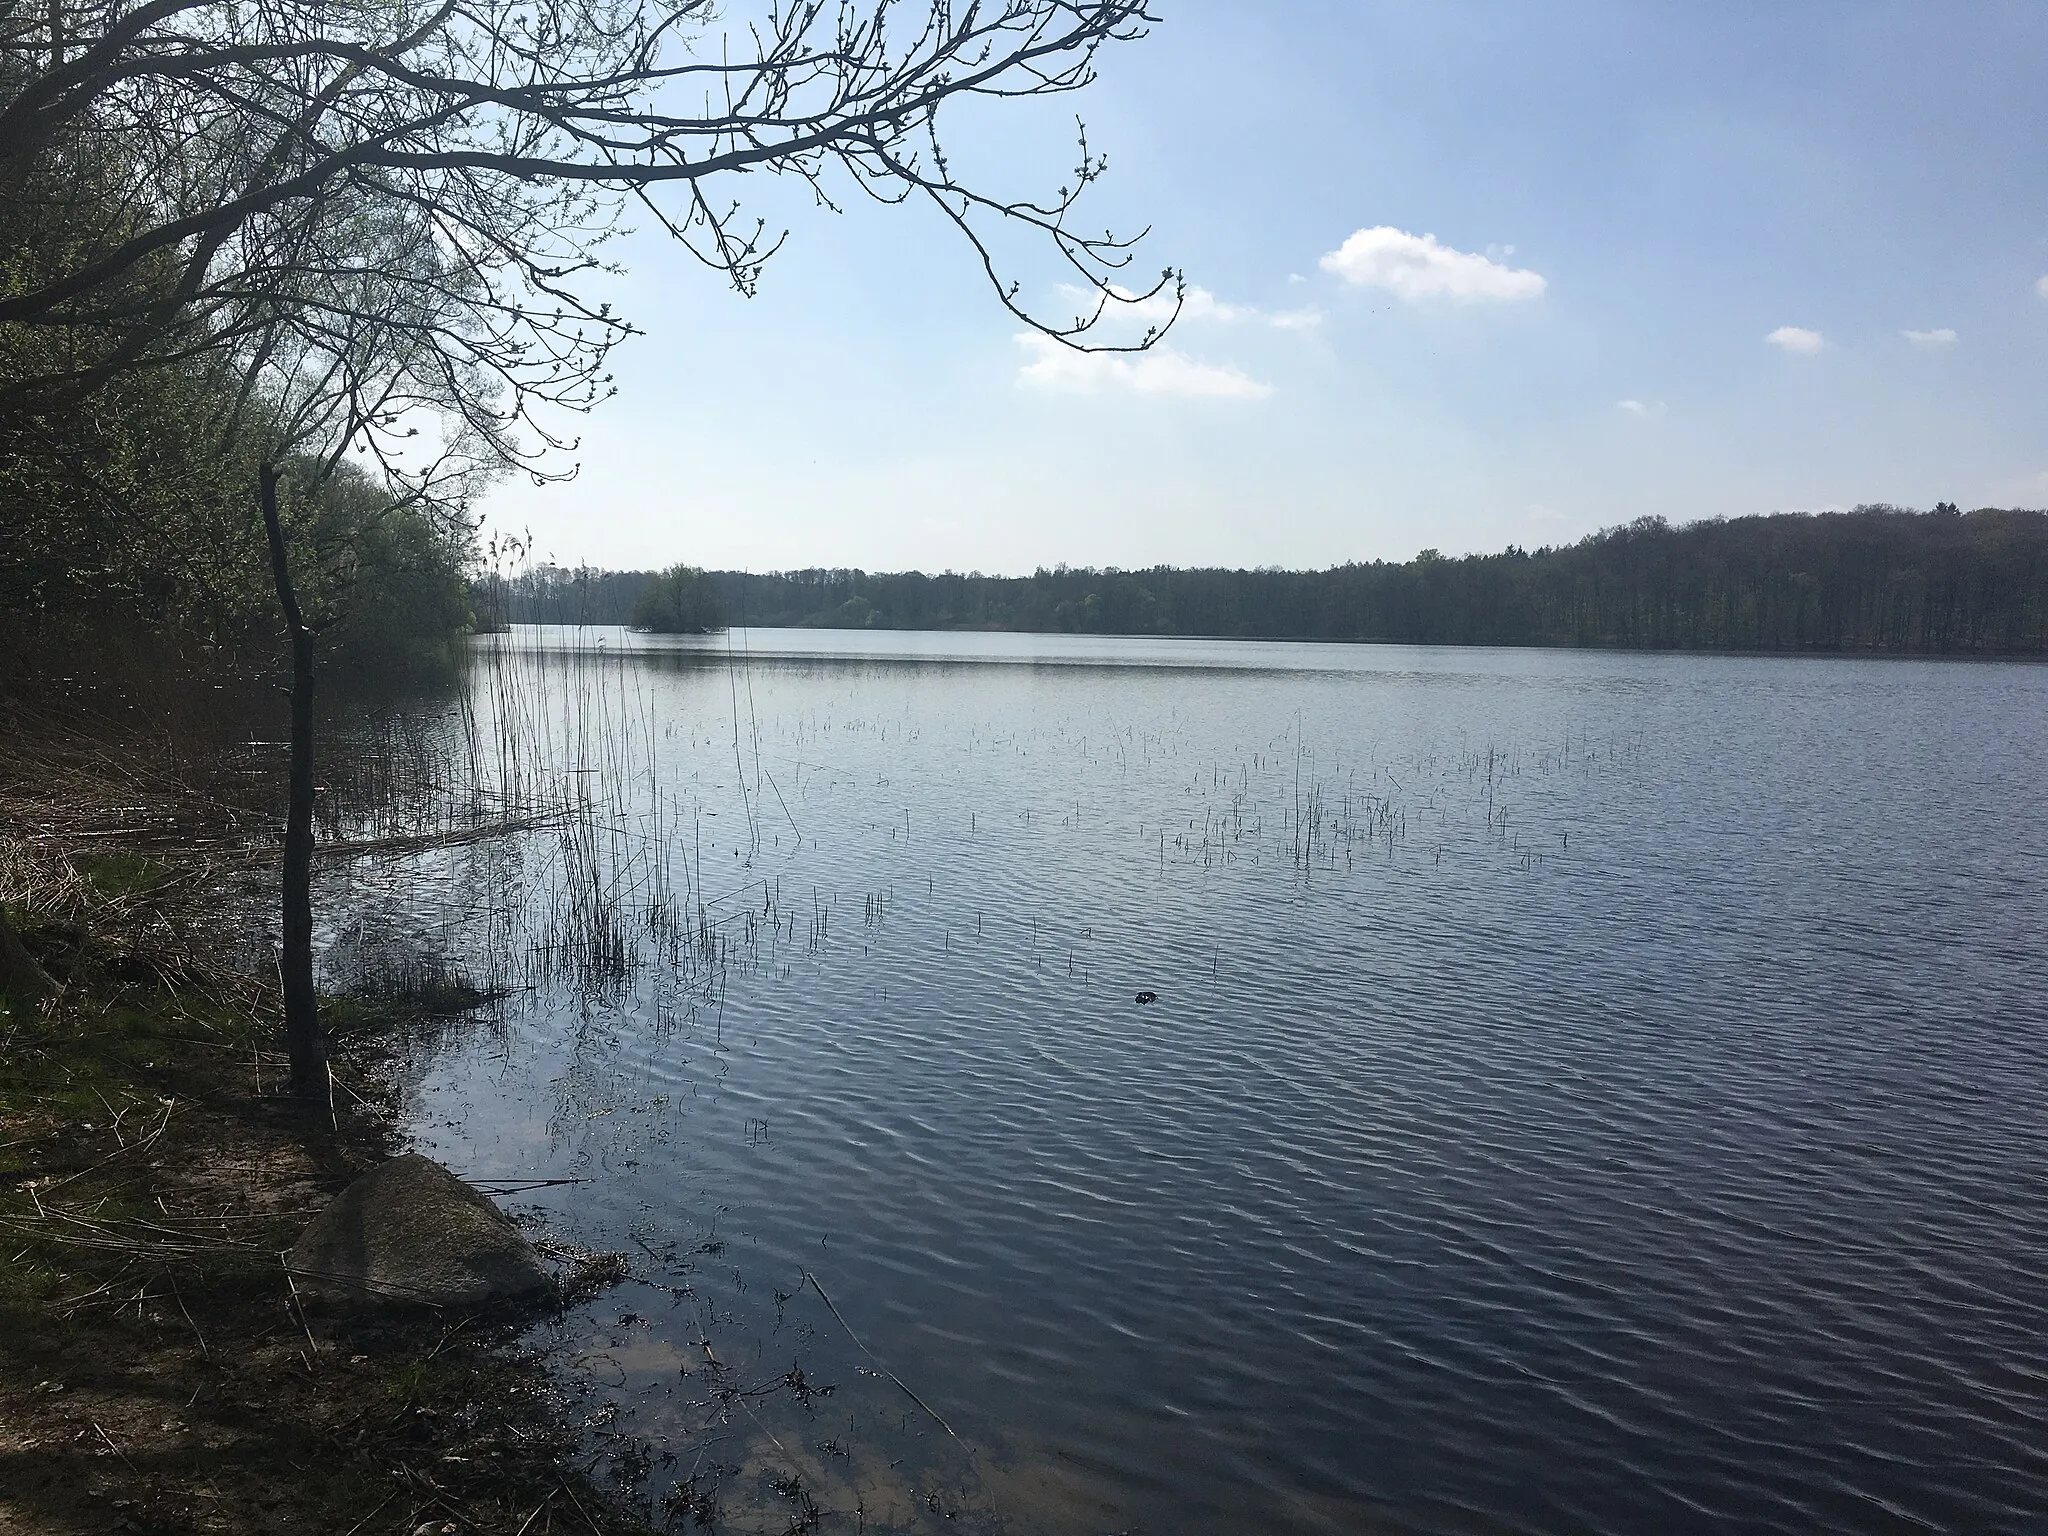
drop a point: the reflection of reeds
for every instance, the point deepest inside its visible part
(402, 975)
(1328, 821)
(553, 753)
(558, 750)
(596, 890)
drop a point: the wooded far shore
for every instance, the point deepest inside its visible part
(1878, 579)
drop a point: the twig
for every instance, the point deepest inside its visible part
(337, 1082)
(111, 1446)
(927, 1407)
(146, 1141)
(443, 1341)
(114, 1243)
(422, 841)
(528, 1521)
(298, 1306)
(204, 1353)
(520, 1186)
(118, 1115)
(581, 1510)
(351, 1531)
(68, 1306)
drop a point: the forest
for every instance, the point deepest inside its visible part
(1875, 579)
(133, 542)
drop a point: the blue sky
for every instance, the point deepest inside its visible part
(1469, 274)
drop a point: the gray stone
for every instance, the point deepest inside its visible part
(411, 1231)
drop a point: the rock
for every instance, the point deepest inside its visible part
(411, 1231)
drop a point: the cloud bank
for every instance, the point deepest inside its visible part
(1417, 267)
(1163, 371)
(1797, 339)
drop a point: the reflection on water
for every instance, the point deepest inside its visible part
(1584, 1092)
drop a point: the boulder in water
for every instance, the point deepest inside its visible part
(411, 1231)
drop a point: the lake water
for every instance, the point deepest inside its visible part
(1584, 1092)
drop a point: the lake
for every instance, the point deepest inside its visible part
(1580, 1092)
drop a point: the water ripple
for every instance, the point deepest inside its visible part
(1586, 1093)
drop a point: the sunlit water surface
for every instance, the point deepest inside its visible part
(1585, 1092)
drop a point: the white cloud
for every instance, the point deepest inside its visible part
(1199, 306)
(2041, 287)
(1796, 339)
(1633, 407)
(1163, 370)
(1943, 337)
(1417, 267)
(1196, 304)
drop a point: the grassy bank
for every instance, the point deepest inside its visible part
(157, 1373)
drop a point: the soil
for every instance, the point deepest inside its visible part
(157, 1372)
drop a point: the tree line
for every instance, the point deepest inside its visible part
(1876, 579)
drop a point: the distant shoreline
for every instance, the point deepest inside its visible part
(1875, 581)
(1989, 657)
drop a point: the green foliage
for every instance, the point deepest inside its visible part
(855, 613)
(127, 497)
(389, 579)
(681, 600)
(131, 502)
(127, 508)
(125, 874)
(129, 493)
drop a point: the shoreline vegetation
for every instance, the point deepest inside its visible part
(1876, 580)
(158, 1372)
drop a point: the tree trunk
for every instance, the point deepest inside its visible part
(303, 1038)
(19, 972)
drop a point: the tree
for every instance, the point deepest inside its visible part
(679, 601)
(366, 224)
(201, 155)
(19, 971)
